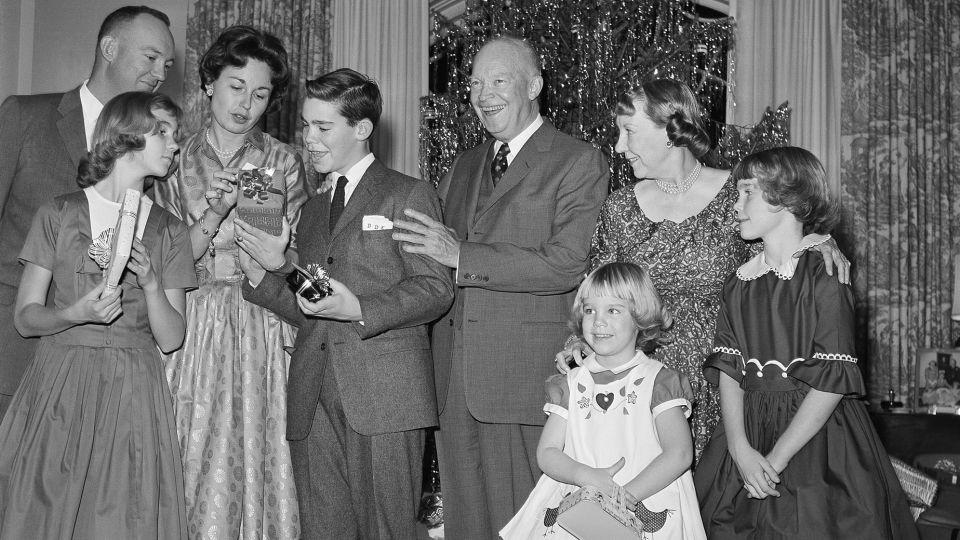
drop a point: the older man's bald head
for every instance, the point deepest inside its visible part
(526, 56)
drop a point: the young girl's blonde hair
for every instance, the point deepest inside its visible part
(630, 283)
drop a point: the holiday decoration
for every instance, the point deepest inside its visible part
(591, 52)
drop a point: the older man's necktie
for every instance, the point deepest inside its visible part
(499, 165)
(336, 206)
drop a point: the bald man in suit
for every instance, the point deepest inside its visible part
(42, 139)
(519, 212)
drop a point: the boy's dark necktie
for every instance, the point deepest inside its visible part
(499, 165)
(336, 206)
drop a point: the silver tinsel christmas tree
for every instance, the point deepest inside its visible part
(591, 53)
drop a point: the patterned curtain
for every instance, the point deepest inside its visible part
(899, 179)
(302, 25)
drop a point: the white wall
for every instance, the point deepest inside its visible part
(56, 51)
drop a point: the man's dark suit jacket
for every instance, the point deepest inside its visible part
(383, 367)
(41, 143)
(524, 254)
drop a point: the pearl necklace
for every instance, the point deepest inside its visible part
(685, 185)
(223, 155)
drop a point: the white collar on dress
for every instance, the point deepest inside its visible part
(590, 362)
(758, 266)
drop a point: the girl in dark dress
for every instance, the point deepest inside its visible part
(796, 455)
(88, 448)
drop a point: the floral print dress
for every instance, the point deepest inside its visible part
(689, 263)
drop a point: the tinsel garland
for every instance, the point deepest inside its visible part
(591, 52)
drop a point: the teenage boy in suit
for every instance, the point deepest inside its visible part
(360, 390)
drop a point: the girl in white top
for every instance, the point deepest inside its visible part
(619, 422)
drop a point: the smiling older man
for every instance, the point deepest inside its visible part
(43, 138)
(519, 211)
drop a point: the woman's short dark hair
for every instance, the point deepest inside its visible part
(122, 127)
(236, 46)
(671, 105)
(356, 95)
(795, 179)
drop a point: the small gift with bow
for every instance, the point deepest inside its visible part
(312, 282)
(262, 200)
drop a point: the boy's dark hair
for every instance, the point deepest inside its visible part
(126, 14)
(793, 178)
(356, 95)
(236, 46)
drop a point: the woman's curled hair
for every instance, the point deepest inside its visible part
(236, 46)
(671, 105)
(122, 127)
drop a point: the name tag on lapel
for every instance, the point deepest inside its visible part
(376, 223)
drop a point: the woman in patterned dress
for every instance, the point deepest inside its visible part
(681, 226)
(229, 380)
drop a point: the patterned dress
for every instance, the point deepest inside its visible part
(688, 262)
(781, 332)
(229, 379)
(88, 447)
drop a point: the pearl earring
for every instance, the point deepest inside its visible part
(210, 92)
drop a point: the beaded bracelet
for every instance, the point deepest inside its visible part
(203, 227)
(206, 232)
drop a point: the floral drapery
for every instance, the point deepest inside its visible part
(900, 119)
(302, 25)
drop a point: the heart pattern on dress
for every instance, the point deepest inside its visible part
(605, 400)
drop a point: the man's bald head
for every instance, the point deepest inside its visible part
(526, 56)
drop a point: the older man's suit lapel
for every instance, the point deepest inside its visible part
(71, 127)
(480, 174)
(539, 142)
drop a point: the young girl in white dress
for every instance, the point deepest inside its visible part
(619, 422)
